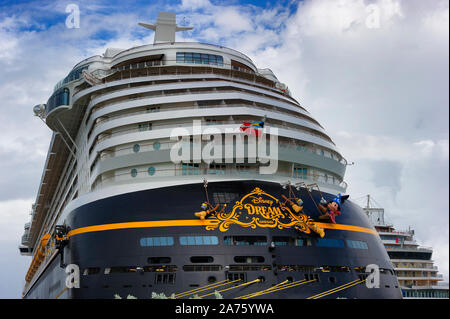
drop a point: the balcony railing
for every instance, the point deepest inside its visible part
(309, 178)
(174, 69)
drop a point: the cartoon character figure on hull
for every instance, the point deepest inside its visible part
(332, 208)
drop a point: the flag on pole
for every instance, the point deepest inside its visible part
(252, 128)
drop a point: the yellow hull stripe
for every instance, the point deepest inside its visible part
(192, 222)
(347, 227)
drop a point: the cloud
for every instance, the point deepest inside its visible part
(373, 73)
(13, 265)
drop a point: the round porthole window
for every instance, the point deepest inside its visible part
(151, 171)
(156, 146)
(133, 172)
(136, 148)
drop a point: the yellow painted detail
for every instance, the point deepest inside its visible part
(191, 222)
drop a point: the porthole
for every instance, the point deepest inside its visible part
(133, 172)
(151, 171)
(156, 146)
(136, 148)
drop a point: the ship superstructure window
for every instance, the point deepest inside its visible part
(288, 241)
(136, 148)
(72, 76)
(217, 169)
(189, 169)
(199, 58)
(151, 171)
(245, 240)
(156, 145)
(156, 241)
(225, 197)
(145, 127)
(59, 97)
(153, 109)
(357, 244)
(329, 242)
(300, 172)
(198, 240)
(133, 172)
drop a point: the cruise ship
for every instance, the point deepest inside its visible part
(182, 169)
(417, 275)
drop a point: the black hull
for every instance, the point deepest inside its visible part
(172, 269)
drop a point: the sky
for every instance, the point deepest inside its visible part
(374, 73)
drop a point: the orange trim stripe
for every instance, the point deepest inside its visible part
(192, 222)
(347, 227)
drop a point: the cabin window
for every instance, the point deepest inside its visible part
(156, 241)
(190, 169)
(199, 58)
(245, 240)
(357, 244)
(59, 97)
(145, 127)
(300, 172)
(153, 109)
(136, 148)
(217, 169)
(288, 241)
(151, 171)
(198, 240)
(224, 197)
(328, 242)
(133, 172)
(156, 146)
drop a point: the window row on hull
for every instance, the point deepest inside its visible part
(156, 172)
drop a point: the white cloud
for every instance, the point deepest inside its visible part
(13, 214)
(195, 4)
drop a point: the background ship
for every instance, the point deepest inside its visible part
(113, 204)
(417, 275)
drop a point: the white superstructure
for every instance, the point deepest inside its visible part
(415, 270)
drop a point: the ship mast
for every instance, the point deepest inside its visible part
(165, 27)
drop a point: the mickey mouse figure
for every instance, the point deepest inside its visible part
(332, 208)
(208, 210)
